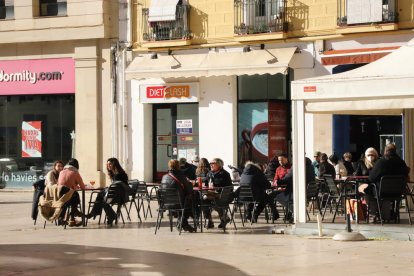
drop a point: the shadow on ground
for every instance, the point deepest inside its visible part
(56, 259)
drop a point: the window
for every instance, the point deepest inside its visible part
(52, 7)
(24, 157)
(264, 87)
(6, 9)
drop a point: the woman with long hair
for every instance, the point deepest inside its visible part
(53, 175)
(202, 170)
(115, 171)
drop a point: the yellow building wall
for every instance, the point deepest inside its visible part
(212, 22)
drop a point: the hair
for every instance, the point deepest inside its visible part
(368, 163)
(253, 164)
(73, 162)
(390, 151)
(283, 155)
(117, 167)
(173, 164)
(333, 158)
(56, 173)
(324, 157)
(203, 166)
(347, 155)
(219, 162)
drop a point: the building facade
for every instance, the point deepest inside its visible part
(55, 87)
(238, 104)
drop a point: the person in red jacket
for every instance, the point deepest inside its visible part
(283, 169)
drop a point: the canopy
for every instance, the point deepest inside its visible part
(389, 80)
(266, 61)
(162, 10)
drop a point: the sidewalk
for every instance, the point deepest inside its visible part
(133, 249)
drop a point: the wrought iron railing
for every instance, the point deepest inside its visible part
(167, 30)
(259, 16)
(357, 12)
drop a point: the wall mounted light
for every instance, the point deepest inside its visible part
(362, 127)
(378, 122)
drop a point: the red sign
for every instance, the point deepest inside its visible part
(309, 89)
(161, 91)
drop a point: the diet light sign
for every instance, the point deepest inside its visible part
(37, 76)
(182, 92)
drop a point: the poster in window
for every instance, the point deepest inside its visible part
(32, 139)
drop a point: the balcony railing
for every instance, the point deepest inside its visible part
(259, 16)
(357, 12)
(167, 30)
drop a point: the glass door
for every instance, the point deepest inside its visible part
(176, 134)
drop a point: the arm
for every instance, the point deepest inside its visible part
(79, 181)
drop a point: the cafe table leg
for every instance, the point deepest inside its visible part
(83, 209)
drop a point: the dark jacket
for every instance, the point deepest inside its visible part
(326, 168)
(220, 179)
(271, 168)
(257, 181)
(189, 170)
(361, 169)
(309, 171)
(391, 165)
(185, 188)
(287, 181)
(122, 176)
(349, 167)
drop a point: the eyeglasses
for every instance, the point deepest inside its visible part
(213, 163)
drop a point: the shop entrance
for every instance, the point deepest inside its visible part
(175, 134)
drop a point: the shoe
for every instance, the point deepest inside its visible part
(74, 223)
(110, 221)
(188, 228)
(222, 223)
(210, 224)
(90, 215)
(77, 213)
(275, 217)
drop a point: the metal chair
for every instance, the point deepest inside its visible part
(143, 196)
(312, 192)
(114, 196)
(392, 188)
(133, 195)
(334, 195)
(223, 203)
(169, 199)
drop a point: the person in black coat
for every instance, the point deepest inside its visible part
(367, 162)
(176, 179)
(117, 175)
(188, 169)
(325, 167)
(258, 182)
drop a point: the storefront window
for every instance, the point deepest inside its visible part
(262, 87)
(34, 131)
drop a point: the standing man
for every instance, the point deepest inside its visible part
(316, 162)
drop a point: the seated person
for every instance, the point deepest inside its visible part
(115, 173)
(347, 161)
(325, 167)
(218, 177)
(271, 168)
(282, 170)
(188, 169)
(340, 168)
(176, 179)
(70, 180)
(256, 179)
(390, 164)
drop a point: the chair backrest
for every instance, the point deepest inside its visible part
(245, 192)
(133, 185)
(392, 186)
(312, 190)
(142, 188)
(169, 198)
(330, 183)
(226, 196)
(116, 193)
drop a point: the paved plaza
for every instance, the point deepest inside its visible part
(133, 249)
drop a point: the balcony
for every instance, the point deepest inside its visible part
(259, 16)
(177, 29)
(357, 12)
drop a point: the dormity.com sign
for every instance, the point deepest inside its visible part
(169, 93)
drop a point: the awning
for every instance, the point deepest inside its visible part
(266, 61)
(162, 10)
(353, 56)
(384, 84)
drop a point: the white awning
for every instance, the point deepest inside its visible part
(387, 83)
(162, 10)
(266, 61)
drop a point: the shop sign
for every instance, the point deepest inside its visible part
(32, 139)
(309, 88)
(184, 126)
(37, 76)
(169, 93)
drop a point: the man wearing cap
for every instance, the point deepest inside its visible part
(188, 169)
(316, 161)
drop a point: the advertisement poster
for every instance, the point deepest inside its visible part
(32, 139)
(263, 131)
